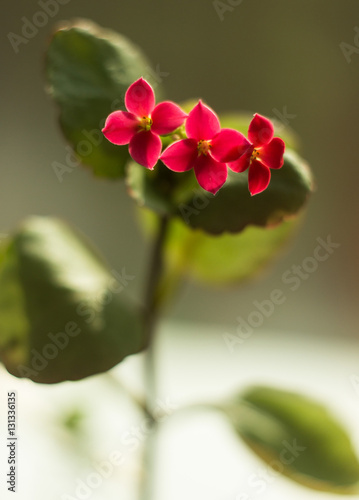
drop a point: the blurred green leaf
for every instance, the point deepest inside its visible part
(226, 258)
(88, 71)
(297, 437)
(233, 208)
(63, 315)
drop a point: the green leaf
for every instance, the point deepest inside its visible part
(227, 258)
(233, 208)
(296, 436)
(63, 315)
(88, 71)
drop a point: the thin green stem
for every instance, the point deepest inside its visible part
(155, 274)
(152, 303)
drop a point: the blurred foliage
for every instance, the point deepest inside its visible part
(297, 437)
(226, 259)
(233, 208)
(63, 315)
(88, 71)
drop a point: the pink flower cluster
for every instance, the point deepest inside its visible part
(208, 148)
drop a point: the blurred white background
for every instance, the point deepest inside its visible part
(199, 455)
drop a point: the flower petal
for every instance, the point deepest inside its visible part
(243, 162)
(140, 98)
(229, 145)
(210, 174)
(272, 154)
(167, 116)
(145, 148)
(202, 123)
(258, 177)
(260, 131)
(181, 155)
(120, 127)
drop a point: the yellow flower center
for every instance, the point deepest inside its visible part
(203, 147)
(255, 154)
(146, 123)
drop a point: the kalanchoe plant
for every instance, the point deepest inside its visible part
(206, 149)
(262, 153)
(143, 123)
(51, 278)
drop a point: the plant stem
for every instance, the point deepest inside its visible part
(152, 304)
(155, 273)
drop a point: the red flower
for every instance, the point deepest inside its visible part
(142, 124)
(261, 154)
(207, 149)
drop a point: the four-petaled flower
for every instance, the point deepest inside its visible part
(143, 122)
(261, 153)
(207, 149)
